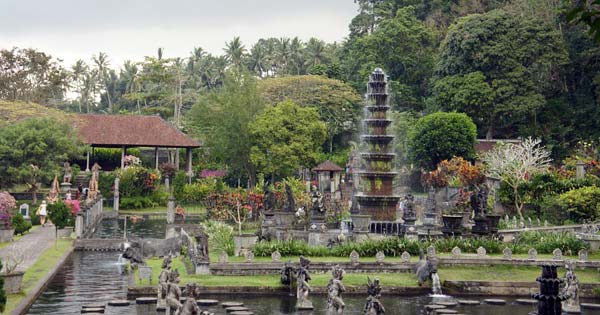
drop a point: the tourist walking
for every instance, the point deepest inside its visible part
(42, 212)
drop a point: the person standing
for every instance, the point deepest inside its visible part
(42, 212)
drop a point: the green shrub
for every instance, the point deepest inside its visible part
(159, 197)
(546, 242)
(139, 202)
(2, 293)
(137, 181)
(60, 215)
(220, 237)
(21, 226)
(106, 180)
(112, 157)
(581, 204)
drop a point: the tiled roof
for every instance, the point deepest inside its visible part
(327, 166)
(130, 130)
(484, 145)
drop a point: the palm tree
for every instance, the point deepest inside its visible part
(297, 55)
(234, 51)
(315, 52)
(257, 60)
(130, 74)
(78, 71)
(102, 64)
(283, 54)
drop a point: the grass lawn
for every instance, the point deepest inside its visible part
(17, 237)
(482, 273)
(36, 272)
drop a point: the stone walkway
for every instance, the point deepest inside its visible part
(32, 245)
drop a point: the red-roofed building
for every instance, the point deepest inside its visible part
(126, 131)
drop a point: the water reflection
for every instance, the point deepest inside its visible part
(145, 227)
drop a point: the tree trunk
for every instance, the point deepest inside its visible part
(518, 205)
(34, 196)
(490, 132)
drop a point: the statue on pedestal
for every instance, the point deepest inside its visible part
(163, 279)
(479, 201)
(335, 288)
(373, 305)
(173, 293)
(303, 277)
(318, 208)
(571, 289)
(68, 173)
(269, 204)
(190, 306)
(290, 204)
(54, 193)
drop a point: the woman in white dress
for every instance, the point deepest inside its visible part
(42, 212)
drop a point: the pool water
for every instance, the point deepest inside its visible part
(146, 228)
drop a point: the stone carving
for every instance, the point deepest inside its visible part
(425, 267)
(223, 258)
(522, 225)
(373, 305)
(190, 306)
(303, 289)
(354, 257)
(583, 254)
(133, 255)
(409, 215)
(430, 251)
(529, 222)
(290, 204)
(269, 204)
(405, 257)
(514, 220)
(571, 289)
(456, 252)
(276, 256)
(155, 247)
(335, 289)
(201, 246)
(163, 280)
(317, 208)
(546, 223)
(92, 191)
(173, 293)
(479, 201)
(379, 257)
(507, 253)
(287, 273)
(532, 253)
(53, 195)
(557, 254)
(68, 173)
(249, 257)
(481, 252)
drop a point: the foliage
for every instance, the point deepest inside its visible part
(587, 12)
(106, 180)
(42, 142)
(21, 226)
(581, 204)
(546, 242)
(284, 138)
(136, 181)
(220, 237)
(112, 157)
(338, 104)
(2, 293)
(198, 191)
(167, 169)
(60, 215)
(440, 136)
(497, 63)
(137, 202)
(222, 120)
(514, 164)
(7, 205)
(403, 124)
(14, 111)
(456, 172)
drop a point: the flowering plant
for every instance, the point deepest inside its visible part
(74, 206)
(131, 160)
(7, 204)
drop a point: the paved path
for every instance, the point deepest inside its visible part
(32, 245)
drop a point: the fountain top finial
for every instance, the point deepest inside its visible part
(378, 71)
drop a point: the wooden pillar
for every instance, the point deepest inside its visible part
(87, 160)
(123, 157)
(188, 161)
(156, 158)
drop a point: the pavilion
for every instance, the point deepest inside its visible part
(126, 131)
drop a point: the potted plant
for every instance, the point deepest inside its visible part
(13, 278)
(61, 215)
(239, 213)
(453, 217)
(7, 205)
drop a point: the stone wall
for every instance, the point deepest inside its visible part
(506, 288)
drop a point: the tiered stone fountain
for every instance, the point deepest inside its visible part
(549, 298)
(376, 199)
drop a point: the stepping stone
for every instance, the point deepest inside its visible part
(468, 302)
(118, 303)
(236, 308)
(590, 306)
(230, 304)
(432, 307)
(161, 309)
(92, 310)
(447, 303)
(93, 306)
(241, 313)
(207, 302)
(445, 311)
(494, 301)
(145, 300)
(526, 301)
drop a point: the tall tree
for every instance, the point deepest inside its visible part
(235, 51)
(102, 66)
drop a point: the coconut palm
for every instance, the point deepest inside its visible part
(102, 64)
(234, 51)
(315, 52)
(78, 71)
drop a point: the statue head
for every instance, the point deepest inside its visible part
(337, 272)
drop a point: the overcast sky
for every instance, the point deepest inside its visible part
(131, 29)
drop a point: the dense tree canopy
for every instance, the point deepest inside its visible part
(441, 136)
(286, 137)
(498, 68)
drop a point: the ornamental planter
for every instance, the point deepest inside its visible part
(12, 281)
(493, 221)
(452, 224)
(243, 242)
(6, 235)
(361, 222)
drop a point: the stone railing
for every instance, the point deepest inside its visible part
(88, 217)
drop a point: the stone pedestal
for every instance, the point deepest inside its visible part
(244, 241)
(283, 218)
(481, 226)
(79, 226)
(361, 223)
(202, 268)
(12, 282)
(171, 210)
(65, 188)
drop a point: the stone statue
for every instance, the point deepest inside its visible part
(373, 305)
(133, 255)
(190, 306)
(290, 204)
(303, 277)
(96, 169)
(425, 268)
(269, 204)
(92, 192)
(571, 289)
(317, 201)
(68, 174)
(408, 213)
(54, 193)
(287, 273)
(202, 246)
(173, 293)
(335, 288)
(479, 201)
(163, 280)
